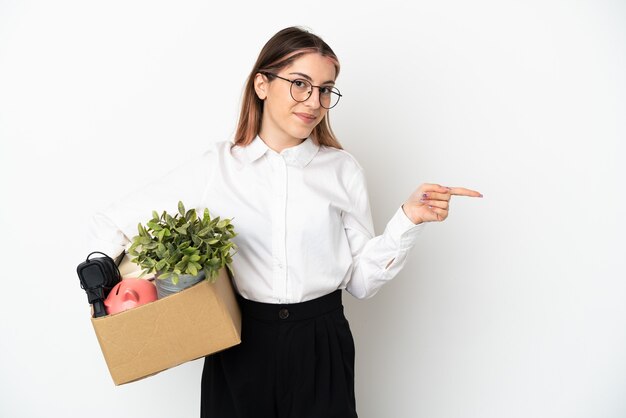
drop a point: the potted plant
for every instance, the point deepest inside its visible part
(183, 249)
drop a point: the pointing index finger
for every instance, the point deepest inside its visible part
(461, 191)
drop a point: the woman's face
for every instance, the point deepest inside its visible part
(284, 119)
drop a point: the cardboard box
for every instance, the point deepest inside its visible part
(185, 326)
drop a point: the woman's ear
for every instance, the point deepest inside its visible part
(261, 85)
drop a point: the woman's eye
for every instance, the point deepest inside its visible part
(300, 84)
(325, 90)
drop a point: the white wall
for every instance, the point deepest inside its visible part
(512, 307)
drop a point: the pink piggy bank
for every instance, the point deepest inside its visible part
(128, 294)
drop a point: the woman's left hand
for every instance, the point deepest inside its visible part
(431, 202)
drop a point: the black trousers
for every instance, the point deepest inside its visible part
(294, 361)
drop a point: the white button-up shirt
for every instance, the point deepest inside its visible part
(302, 217)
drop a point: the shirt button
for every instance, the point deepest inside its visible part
(283, 313)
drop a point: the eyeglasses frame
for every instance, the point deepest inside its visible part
(311, 92)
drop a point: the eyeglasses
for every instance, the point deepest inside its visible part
(301, 90)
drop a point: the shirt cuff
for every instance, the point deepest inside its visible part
(402, 231)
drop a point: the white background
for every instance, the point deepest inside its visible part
(512, 307)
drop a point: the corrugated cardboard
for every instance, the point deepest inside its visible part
(185, 326)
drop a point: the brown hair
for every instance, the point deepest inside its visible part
(280, 51)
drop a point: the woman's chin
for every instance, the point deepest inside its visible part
(301, 133)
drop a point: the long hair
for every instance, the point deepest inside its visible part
(279, 52)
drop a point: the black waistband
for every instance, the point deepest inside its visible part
(291, 311)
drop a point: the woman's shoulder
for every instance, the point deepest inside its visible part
(220, 145)
(341, 157)
(206, 156)
(215, 148)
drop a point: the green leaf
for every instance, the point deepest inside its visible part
(155, 215)
(192, 269)
(204, 231)
(133, 246)
(181, 208)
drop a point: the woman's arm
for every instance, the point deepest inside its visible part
(112, 228)
(376, 259)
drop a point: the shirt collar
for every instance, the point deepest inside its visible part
(299, 155)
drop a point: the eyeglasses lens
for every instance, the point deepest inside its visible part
(301, 91)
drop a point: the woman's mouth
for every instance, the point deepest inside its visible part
(306, 118)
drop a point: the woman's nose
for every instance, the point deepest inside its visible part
(314, 98)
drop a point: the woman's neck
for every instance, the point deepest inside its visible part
(279, 143)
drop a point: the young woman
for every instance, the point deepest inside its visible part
(300, 206)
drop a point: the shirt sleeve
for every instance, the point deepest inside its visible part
(376, 259)
(111, 228)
